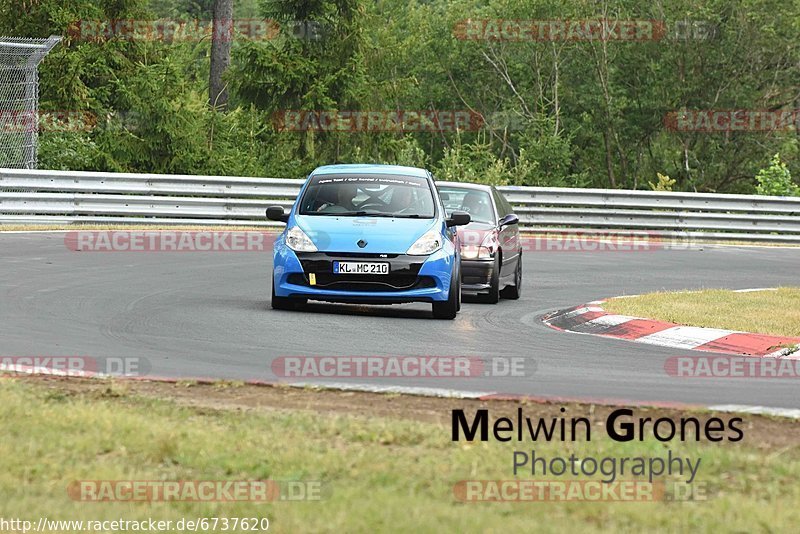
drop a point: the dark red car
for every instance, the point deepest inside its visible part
(491, 250)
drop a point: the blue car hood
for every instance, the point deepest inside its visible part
(383, 235)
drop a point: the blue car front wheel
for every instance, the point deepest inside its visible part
(285, 303)
(448, 309)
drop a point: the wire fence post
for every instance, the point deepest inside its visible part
(19, 99)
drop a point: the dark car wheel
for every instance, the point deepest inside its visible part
(493, 296)
(285, 303)
(514, 292)
(449, 308)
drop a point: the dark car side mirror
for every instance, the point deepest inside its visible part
(458, 218)
(276, 213)
(509, 220)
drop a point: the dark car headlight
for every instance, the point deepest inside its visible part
(484, 251)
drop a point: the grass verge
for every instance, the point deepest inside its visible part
(762, 312)
(386, 462)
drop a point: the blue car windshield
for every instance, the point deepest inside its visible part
(368, 196)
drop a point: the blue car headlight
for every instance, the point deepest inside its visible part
(429, 243)
(297, 240)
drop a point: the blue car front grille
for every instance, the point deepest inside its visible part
(362, 282)
(403, 272)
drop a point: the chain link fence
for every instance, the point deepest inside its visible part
(19, 99)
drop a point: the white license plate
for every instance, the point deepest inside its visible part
(360, 267)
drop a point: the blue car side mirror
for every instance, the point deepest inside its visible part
(276, 213)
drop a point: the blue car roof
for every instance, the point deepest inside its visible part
(370, 169)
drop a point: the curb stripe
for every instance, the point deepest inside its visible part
(592, 319)
(582, 311)
(753, 343)
(684, 337)
(636, 328)
(612, 320)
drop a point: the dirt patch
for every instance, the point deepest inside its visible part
(762, 432)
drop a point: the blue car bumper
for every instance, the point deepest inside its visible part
(410, 278)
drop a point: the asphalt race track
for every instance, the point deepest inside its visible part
(208, 315)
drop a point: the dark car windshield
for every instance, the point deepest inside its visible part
(476, 202)
(368, 196)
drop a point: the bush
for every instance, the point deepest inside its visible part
(776, 180)
(664, 183)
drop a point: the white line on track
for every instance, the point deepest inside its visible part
(408, 390)
(755, 289)
(791, 413)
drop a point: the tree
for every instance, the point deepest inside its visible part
(220, 53)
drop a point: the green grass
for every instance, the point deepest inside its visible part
(379, 474)
(762, 312)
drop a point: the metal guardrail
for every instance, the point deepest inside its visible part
(30, 196)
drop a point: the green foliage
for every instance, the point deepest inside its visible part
(406, 151)
(477, 163)
(776, 180)
(69, 152)
(472, 163)
(563, 113)
(293, 73)
(664, 183)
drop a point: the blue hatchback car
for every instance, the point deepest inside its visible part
(369, 234)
